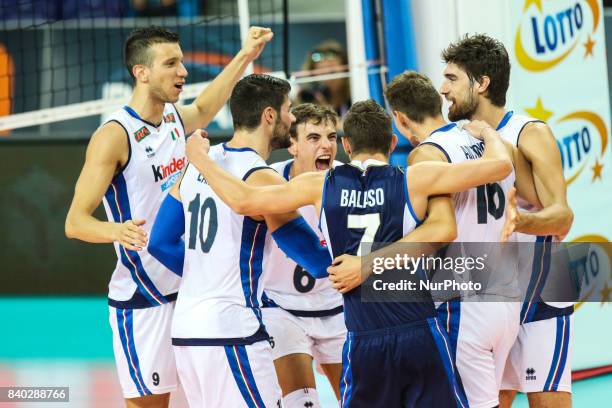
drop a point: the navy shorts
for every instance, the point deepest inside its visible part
(405, 366)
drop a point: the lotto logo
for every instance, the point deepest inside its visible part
(141, 133)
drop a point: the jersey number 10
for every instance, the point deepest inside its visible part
(490, 199)
(196, 225)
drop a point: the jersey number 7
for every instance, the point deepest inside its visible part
(368, 222)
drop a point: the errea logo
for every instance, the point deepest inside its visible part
(141, 133)
(530, 374)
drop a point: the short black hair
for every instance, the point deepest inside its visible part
(480, 55)
(414, 95)
(309, 112)
(136, 47)
(252, 95)
(367, 125)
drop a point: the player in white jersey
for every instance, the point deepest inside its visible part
(421, 181)
(482, 327)
(221, 345)
(132, 161)
(477, 79)
(304, 317)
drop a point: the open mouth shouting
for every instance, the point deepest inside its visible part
(323, 162)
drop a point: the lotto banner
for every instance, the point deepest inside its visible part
(559, 75)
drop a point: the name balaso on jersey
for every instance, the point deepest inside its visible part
(171, 170)
(362, 199)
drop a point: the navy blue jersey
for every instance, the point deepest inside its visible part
(369, 206)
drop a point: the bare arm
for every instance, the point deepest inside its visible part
(434, 178)
(106, 153)
(538, 145)
(203, 109)
(271, 195)
(439, 224)
(525, 184)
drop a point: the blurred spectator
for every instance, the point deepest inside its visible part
(162, 8)
(154, 8)
(79, 9)
(328, 57)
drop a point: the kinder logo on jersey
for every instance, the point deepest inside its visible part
(593, 269)
(582, 138)
(163, 171)
(549, 31)
(169, 118)
(141, 133)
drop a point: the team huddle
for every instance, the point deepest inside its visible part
(235, 277)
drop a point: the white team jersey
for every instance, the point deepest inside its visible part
(286, 283)
(510, 129)
(480, 211)
(225, 255)
(156, 158)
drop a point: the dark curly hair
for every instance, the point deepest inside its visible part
(480, 55)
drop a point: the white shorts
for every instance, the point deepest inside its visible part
(320, 337)
(143, 350)
(482, 333)
(228, 376)
(541, 357)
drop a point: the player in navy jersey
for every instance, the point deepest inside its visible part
(396, 354)
(477, 77)
(131, 163)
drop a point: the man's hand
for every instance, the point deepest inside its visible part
(197, 145)
(345, 273)
(476, 128)
(511, 216)
(256, 41)
(130, 235)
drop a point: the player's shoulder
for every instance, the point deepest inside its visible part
(281, 165)
(111, 134)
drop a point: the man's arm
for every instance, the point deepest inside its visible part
(291, 232)
(440, 224)
(253, 199)
(166, 244)
(524, 183)
(435, 178)
(203, 109)
(538, 145)
(107, 151)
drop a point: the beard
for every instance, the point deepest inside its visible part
(464, 110)
(280, 136)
